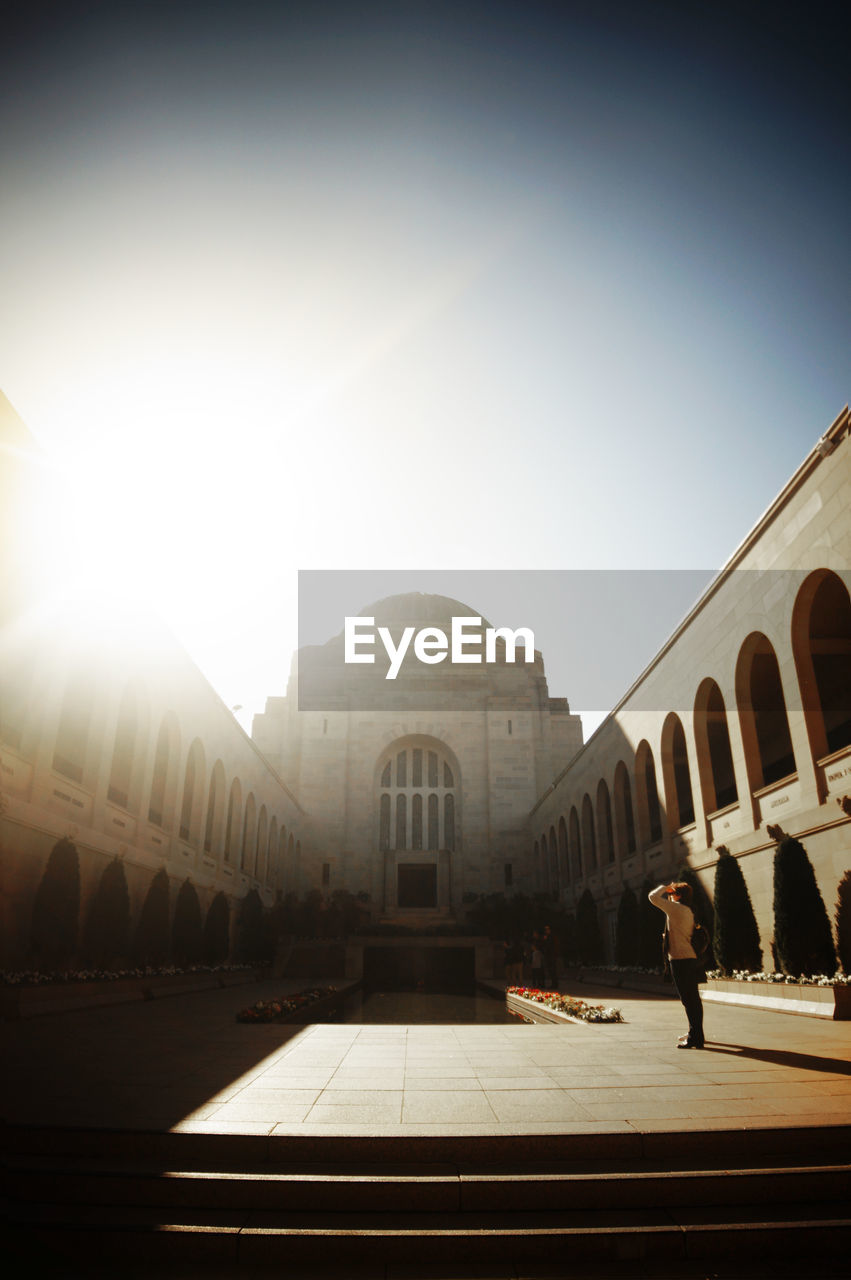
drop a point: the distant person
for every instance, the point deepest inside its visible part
(675, 900)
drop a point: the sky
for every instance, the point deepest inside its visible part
(415, 287)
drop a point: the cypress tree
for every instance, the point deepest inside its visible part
(650, 929)
(802, 938)
(843, 922)
(735, 940)
(217, 930)
(150, 944)
(626, 937)
(56, 910)
(589, 942)
(187, 934)
(108, 923)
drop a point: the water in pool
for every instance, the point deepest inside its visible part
(401, 1007)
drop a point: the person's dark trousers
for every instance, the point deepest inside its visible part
(685, 975)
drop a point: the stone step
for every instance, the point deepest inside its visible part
(423, 1188)
(685, 1149)
(781, 1231)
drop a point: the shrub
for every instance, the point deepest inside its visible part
(216, 943)
(589, 941)
(150, 943)
(802, 938)
(56, 910)
(735, 940)
(626, 937)
(187, 934)
(107, 934)
(843, 922)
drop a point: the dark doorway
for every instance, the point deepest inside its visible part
(417, 885)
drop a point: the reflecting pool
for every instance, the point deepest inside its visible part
(401, 1007)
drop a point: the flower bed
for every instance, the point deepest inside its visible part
(285, 1008)
(32, 993)
(812, 996)
(568, 1006)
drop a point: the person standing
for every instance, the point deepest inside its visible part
(675, 901)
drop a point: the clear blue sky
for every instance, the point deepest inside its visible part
(417, 286)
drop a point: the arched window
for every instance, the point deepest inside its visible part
(161, 804)
(384, 820)
(260, 843)
(215, 806)
(650, 814)
(248, 829)
(552, 846)
(762, 707)
(624, 817)
(821, 641)
(563, 859)
(574, 841)
(72, 735)
(589, 839)
(417, 812)
(416, 802)
(271, 869)
(678, 794)
(449, 819)
(605, 837)
(193, 782)
(233, 818)
(714, 753)
(123, 751)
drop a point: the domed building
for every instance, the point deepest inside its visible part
(418, 786)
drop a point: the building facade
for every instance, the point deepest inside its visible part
(739, 729)
(418, 789)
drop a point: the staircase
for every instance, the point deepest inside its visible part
(601, 1201)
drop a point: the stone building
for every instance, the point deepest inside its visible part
(450, 781)
(418, 789)
(741, 723)
(111, 737)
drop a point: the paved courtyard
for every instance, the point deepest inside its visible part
(185, 1063)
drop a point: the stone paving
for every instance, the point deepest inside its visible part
(185, 1063)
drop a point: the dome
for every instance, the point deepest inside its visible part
(419, 609)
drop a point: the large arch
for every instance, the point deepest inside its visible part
(260, 843)
(647, 796)
(624, 816)
(605, 834)
(234, 819)
(769, 755)
(821, 644)
(563, 858)
(679, 800)
(714, 753)
(163, 796)
(193, 790)
(248, 830)
(574, 839)
(213, 823)
(589, 838)
(418, 787)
